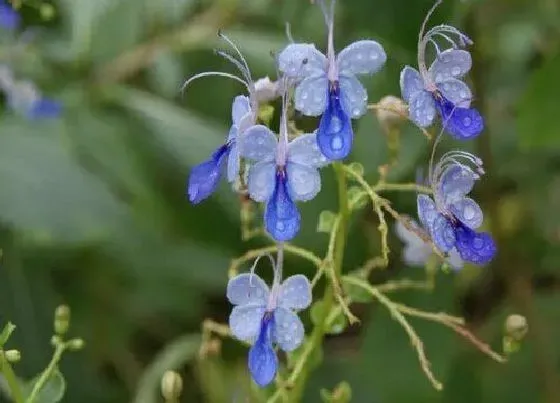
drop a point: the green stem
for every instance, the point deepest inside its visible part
(11, 378)
(47, 373)
(316, 338)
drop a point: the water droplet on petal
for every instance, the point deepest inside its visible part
(456, 70)
(336, 143)
(467, 121)
(468, 213)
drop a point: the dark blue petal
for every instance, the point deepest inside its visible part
(44, 108)
(9, 18)
(281, 216)
(475, 247)
(461, 123)
(335, 134)
(204, 177)
(263, 362)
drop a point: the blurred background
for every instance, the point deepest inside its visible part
(93, 210)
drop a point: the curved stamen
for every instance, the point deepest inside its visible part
(236, 63)
(422, 41)
(289, 32)
(254, 266)
(218, 74)
(236, 49)
(447, 38)
(436, 47)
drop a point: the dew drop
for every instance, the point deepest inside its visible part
(336, 124)
(280, 226)
(359, 56)
(463, 94)
(304, 95)
(478, 243)
(336, 143)
(469, 213)
(467, 121)
(456, 70)
(373, 56)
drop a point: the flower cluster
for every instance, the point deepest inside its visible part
(22, 96)
(279, 172)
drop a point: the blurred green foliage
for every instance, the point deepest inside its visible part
(93, 211)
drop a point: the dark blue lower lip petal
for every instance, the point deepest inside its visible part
(204, 177)
(475, 247)
(263, 361)
(461, 123)
(335, 134)
(281, 216)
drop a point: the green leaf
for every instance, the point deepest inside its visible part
(538, 119)
(337, 325)
(357, 168)
(356, 294)
(52, 391)
(326, 221)
(172, 357)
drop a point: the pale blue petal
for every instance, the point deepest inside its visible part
(416, 255)
(233, 132)
(257, 143)
(305, 151)
(262, 360)
(289, 331)
(233, 163)
(241, 106)
(311, 95)
(304, 181)
(455, 183)
(451, 63)
(245, 321)
(262, 179)
(455, 260)
(468, 211)
(353, 96)
(361, 57)
(427, 211)
(456, 91)
(300, 60)
(246, 289)
(295, 292)
(442, 233)
(422, 109)
(411, 83)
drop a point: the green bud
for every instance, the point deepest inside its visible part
(56, 340)
(12, 355)
(341, 394)
(61, 319)
(75, 344)
(357, 168)
(516, 327)
(326, 221)
(47, 11)
(6, 333)
(171, 386)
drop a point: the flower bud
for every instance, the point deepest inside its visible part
(171, 386)
(61, 319)
(12, 355)
(76, 344)
(266, 90)
(516, 327)
(391, 111)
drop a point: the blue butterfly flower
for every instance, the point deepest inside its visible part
(24, 97)
(9, 18)
(204, 177)
(439, 88)
(280, 181)
(327, 86)
(451, 217)
(264, 318)
(417, 252)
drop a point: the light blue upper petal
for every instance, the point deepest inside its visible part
(311, 95)
(262, 179)
(295, 292)
(455, 183)
(304, 181)
(361, 57)
(456, 91)
(233, 163)
(240, 107)
(455, 260)
(443, 233)
(422, 109)
(300, 60)
(353, 96)
(245, 321)
(427, 211)
(468, 211)
(257, 143)
(289, 331)
(247, 288)
(417, 255)
(411, 83)
(451, 63)
(304, 150)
